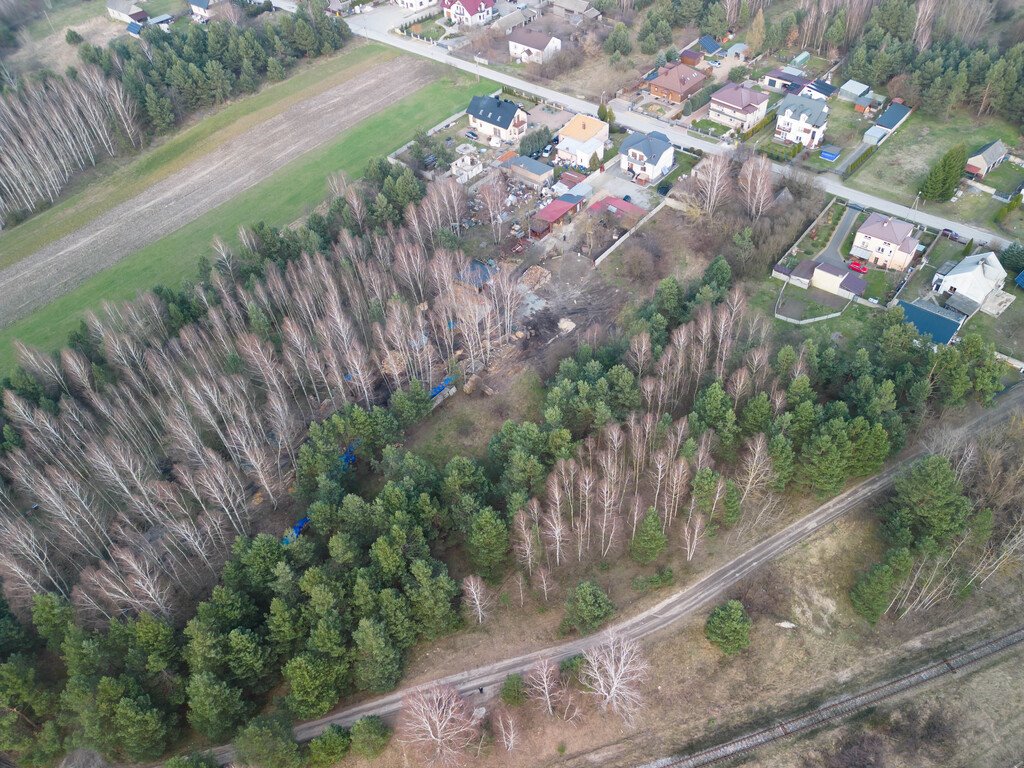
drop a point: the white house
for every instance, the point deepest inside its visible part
(200, 8)
(973, 279)
(801, 120)
(885, 241)
(526, 44)
(648, 156)
(738, 106)
(496, 118)
(581, 139)
(468, 13)
(414, 4)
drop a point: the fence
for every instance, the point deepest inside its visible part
(625, 237)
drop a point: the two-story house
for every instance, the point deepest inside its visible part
(582, 139)
(526, 44)
(648, 156)
(496, 118)
(677, 82)
(468, 13)
(801, 120)
(885, 241)
(737, 106)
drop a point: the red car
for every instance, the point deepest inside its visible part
(856, 266)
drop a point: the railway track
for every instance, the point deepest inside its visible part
(844, 706)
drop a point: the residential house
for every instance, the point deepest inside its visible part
(932, 320)
(648, 156)
(582, 139)
(618, 208)
(738, 106)
(691, 57)
(852, 90)
(123, 10)
(576, 11)
(497, 118)
(785, 79)
(709, 45)
(893, 117)
(532, 172)
(886, 241)
(200, 8)
(468, 13)
(985, 159)
(414, 5)
(975, 278)
(338, 7)
(526, 44)
(801, 120)
(677, 82)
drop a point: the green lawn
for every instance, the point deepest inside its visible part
(1006, 178)
(684, 164)
(202, 138)
(880, 282)
(158, 7)
(279, 200)
(900, 165)
(429, 29)
(1005, 331)
(845, 125)
(63, 14)
(710, 126)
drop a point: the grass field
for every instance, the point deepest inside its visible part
(158, 7)
(67, 13)
(900, 165)
(1006, 178)
(201, 138)
(279, 200)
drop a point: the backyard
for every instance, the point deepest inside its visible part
(1007, 178)
(429, 29)
(1005, 331)
(279, 200)
(900, 165)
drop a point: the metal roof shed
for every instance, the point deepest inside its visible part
(933, 321)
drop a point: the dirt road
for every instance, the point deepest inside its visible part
(179, 199)
(678, 606)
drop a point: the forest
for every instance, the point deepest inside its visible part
(121, 96)
(144, 460)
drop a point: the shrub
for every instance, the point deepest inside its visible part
(664, 577)
(369, 736)
(728, 627)
(329, 747)
(512, 691)
(587, 608)
(73, 38)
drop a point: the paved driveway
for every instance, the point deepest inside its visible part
(831, 254)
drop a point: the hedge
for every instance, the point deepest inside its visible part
(852, 168)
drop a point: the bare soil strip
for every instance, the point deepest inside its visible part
(175, 201)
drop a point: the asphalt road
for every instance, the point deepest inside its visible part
(831, 254)
(674, 608)
(376, 27)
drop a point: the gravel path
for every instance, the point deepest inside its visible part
(182, 197)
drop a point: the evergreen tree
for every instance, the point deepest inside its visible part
(728, 627)
(267, 744)
(586, 608)
(370, 735)
(649, 541)
(215, 709)
(330, 747)
(313, 684)
(487, 543)
(378, 664)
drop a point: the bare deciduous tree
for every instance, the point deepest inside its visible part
(479, 599)
(614, 672)
(755, 185)
(713, 182)
(437, 724)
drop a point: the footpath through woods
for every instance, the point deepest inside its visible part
(680, 605)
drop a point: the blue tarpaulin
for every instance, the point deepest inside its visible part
(441, 387)
(296, 531)
(1020, 280)
(348, 458)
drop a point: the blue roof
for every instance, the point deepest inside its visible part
(825, 89)
(893, 116)
(491, 109)
(1020, 280)
(930, 323)
(161, 19)
(651, 145)
(529, 164)
(477, 274)
(830, 153)
(134, 28)
(709, 44)
(204, 4)
(568, 197)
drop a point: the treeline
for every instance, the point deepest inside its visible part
(58, 125)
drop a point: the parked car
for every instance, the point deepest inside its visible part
(664, 189)
(547, 151)
(554, 140)
(856, 266)
(471, 135)
(714, 62)
(628, 198)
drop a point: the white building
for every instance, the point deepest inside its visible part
(526, 44)
(974, 278)
(648, 156)
(468, 13)
(414, 5)
(886, 241)
(738, 106)
(497, 118)
(801, 120)
(123, 10)
(581, 139)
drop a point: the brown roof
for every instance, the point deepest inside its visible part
(681, 79)
(531, 38)
(582, 128)
(739, 98)
(891, 230)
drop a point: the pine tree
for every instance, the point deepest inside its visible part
(488, 543)
(378, 664)
(215, 709)
(728, 627)
(650, 541)
(159, 110)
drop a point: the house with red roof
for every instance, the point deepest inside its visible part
(617, 207)
(554, 214)
(468, 13)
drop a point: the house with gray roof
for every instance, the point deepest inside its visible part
(529, 171)
(985, 159)
(852, 90)
(885, 241)
(496, 118)
(646, 156)
(976, 277)
(801, 120)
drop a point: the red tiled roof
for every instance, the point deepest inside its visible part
(622, 208)
(554, 210)
(472, 6)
